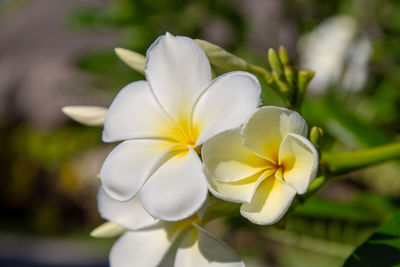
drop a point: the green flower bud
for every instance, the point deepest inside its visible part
(284, 56)
(289, 75)
(222, 58)
(304, 78)
(275, 63)
(225, 60)
(316, 134)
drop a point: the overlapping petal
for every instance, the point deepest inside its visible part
(144, 248)
(130, 164)
(241, 191)
(129, 214)
(265, 130)
(199, 248)
(177, 189)
(178, 71)
(227, 102)
(270, 202)
(134, 113)
(227, 160)
(299, 159)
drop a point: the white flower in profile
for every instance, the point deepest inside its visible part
(163, 122)
(146, 240)
(262, 164)
(338, 53)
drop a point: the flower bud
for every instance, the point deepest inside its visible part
(106, 230)
(134, 60)
(283, 55)
(222, 58)
(304, 78)
(275, 63)
(316, 134)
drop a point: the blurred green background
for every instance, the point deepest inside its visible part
(55, 53)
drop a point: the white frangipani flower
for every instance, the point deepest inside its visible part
(146, 240)
(338, 53)
(164, 120)
(263, 164)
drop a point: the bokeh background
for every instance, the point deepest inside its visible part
(55, 53)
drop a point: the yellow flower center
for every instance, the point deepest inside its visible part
(181, 132)
(273, 168)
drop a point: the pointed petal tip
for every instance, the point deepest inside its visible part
(118, 49)
(87, 115)
(168, 35)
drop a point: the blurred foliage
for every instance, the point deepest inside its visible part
(40, 189)
(381, 249)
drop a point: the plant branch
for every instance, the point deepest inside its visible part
(339, 163)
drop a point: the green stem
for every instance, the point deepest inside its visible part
(339, 163)
(269, 79)
(262, 72)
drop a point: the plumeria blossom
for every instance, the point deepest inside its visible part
(163, 122)
(147, 240)
(262, 164)
(338, 53)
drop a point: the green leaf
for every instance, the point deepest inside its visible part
(220, 209)
(381, 249)
(342, 162)
(334, 117)
(319, 208)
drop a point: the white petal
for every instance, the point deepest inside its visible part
(129, 214)
(266, 128)
(134, 113)
(227, 160)
(88, 115)
(270, 202)
(241, 191)
(144, 248)
(177, 189)
(199, 248)
(177, 70)
(227, 102)
(130, 164)
(299, 159)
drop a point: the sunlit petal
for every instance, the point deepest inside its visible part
(144, 248)
(299, 159)
(134, 113)
(227, 102)
(270, 202)
(267, 127)
(177, 189)
(130, 164)
(129, 214)
(241, 191)
(227, 160)
(177, 70)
